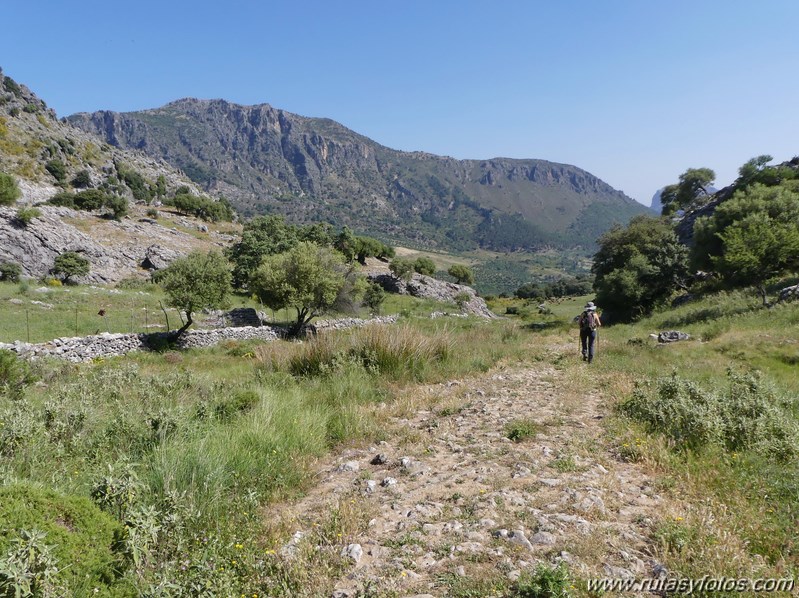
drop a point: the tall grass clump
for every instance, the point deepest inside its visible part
(397, 352)
(745, 415)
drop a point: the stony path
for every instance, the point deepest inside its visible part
(448, 497)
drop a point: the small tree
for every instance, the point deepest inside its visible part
(197, 281)
(424, 265)
(401, 268)
(462, 274)
(70, 264)
(10, 272)
(9, 190)
(82, 180)
(307, 278)
(374, 297)
(118, 206)
(691, 188)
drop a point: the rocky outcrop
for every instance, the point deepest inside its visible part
(427, 287)
(672, 336)
(115, 250)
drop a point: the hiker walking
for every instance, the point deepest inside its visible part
(589, 322)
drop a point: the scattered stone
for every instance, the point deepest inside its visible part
(289, 549)
(388, 482)
(348, 466)
(517, 536)
(406, 462)
(379, 459)
(353, 551)
(371, 486)
(789, 293)
(543, 539)
(672, 336)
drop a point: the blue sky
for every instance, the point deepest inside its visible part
(633, 91)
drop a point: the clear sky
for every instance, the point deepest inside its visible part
(634, 91)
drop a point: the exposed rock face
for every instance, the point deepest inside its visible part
(426, 287)
(312, 168)
(115, 250)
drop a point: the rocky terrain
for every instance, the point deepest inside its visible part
(268, 160)
(33, 141)
(449, 499)
(115, 250)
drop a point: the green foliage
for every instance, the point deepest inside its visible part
(118, 206)
(462, 298)
(160, 186)
(563, 287)
(63, 199)
(9, 190)
(261, 237)
(638, 267)
(90, 199)
(70, 264)
(544, 582)
(136, 183)
(10, 272)
(11, 86)
(25, 215)
(53, 540)
(747, 415)
(15, 376)
(203, 207)
(307, 278)
(521, 429)
(241, 402)
(368, 247)
(374, 297)
(402, 268)
(462, 274)
(56, 168)
(152, 213)
(197, 281)
(82, 180)
(750, 238)
(689, 191)
(424, 265)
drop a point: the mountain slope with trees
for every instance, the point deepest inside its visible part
(268, 160)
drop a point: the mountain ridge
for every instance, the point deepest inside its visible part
(265, 159)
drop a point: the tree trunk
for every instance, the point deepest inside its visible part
(185, 326)
(763, 294)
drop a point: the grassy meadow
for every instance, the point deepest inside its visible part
(168, 464)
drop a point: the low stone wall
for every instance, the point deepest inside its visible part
(86, 348)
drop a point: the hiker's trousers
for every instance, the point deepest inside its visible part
(588, 340)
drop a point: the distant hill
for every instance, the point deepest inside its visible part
(267, 160)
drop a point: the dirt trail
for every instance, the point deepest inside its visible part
(456, 501)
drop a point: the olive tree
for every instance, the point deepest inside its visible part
(462, 274)
(197, 281)
(307, 278)
(70, 264)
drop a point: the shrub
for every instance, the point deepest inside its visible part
(63, 199)
(56, 168)
(401, 268)
(118, 206)
(10, 272)
(9, 190)
(521, 429)
(152, 213)
(82, 180)
(374, 297)
(25, 215)
(462, 299)
(15, 374)
(462, 274)
(74, 542)
(745, 415)
(545, 582)
(90, 199)
(424, 265)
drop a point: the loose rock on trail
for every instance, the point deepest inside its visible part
(448, 497)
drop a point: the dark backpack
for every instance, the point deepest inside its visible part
(588, 321)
